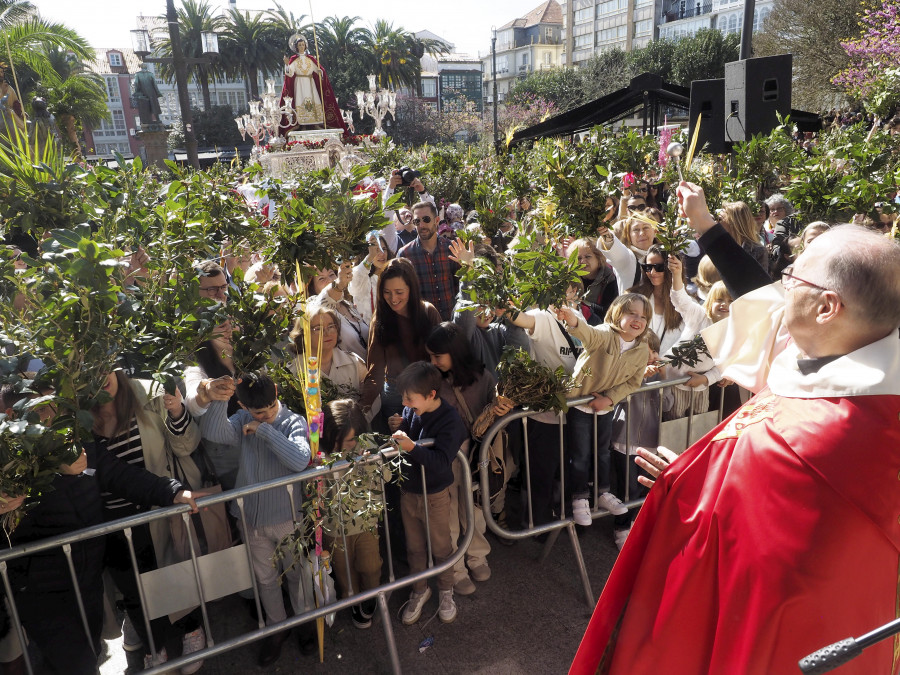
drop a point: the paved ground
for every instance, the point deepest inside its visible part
(528, 618)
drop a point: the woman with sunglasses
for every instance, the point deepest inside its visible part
(628, 249)
(656, 284)
(400, 326)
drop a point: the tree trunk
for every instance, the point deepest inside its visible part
(254, 84)
(68, 123)
(203, 76)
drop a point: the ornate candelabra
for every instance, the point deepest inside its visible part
(376, 103)
(265, 118)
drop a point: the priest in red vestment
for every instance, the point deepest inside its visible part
(312, 98)
(777, 533)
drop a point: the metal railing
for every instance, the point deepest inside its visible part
(553, 528)
(213, 648)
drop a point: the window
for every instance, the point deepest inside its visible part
(612, 34)
(642, 3)
(548, 58)
(583, 15)
(429, 88)
(583, 41)
(548, 33)
(112, 89)
(115, 59)
(110, 148)
(644, 27)
(611, 6)
(525, 59)
(759, 18)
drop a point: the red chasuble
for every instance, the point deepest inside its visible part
(333, 118)
(773, 536)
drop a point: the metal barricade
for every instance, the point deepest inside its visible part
(213, 648)
(553, 529)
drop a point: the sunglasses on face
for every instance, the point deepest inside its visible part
(637, 207)
(423, 219)
(653, 267)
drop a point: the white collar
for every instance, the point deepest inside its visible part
(872, 370)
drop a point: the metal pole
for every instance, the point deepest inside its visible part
(494, 68)
(187, 120)
(747, 30)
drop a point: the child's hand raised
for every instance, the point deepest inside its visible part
(404, 442)
(568, 315)
(394, 422)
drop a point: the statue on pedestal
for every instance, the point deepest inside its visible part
(312, 98)
(145, 97)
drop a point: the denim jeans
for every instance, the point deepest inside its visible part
(581, 448)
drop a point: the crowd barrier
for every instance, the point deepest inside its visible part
(206, 582)
(692, 431)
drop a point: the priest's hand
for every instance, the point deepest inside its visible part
(652, 463)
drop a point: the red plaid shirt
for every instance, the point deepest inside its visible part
(436, 272)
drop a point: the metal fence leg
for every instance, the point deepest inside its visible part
(260, 619)
(548, 545)
(389, 633)
(14, 615)
(67, 550)
(582, 569)
(140, 586)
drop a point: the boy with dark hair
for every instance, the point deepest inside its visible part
(426, 416)
(273, 443)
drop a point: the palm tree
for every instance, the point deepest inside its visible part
(343, 52)
(250, 44)
(396, 54)
(194, 17)
(78, 98)
(283, 24)
(27, 35)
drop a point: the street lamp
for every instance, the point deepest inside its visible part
(494, 68)
(142, 45)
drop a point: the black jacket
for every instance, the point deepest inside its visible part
(446, 427)
(75, 503)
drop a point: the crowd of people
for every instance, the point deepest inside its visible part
(410, 355)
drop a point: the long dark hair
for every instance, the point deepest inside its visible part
(448, 338)
(210, 362)
(385, 319)
(645, 287)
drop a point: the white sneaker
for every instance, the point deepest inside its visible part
(414, 606)
(131, 641)
(621, 536)
(612, 504)
(581, 512)
(161, 657)
(447, 610)
(193, 642)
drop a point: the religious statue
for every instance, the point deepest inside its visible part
(145, 97)
(308, 91)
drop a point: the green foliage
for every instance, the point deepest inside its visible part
(492, 204)
(259, 321)
(322, 220)
(562, 86)
(447, 173)
(688, 353)
(531, 384)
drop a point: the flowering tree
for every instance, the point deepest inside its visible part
(872, 55)
(527, 110)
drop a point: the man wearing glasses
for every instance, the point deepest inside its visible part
(777, 534)
(430, 255)
(213, 284)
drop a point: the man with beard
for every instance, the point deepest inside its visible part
(430, 255)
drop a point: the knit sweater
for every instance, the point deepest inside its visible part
(274, 450)
(448, 431)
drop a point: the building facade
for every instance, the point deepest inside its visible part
(116, 133)
(594, 26)
(524, 45)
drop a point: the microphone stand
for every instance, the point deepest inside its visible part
(830, 657)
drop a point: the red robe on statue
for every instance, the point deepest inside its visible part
(773, 536)
(333, 117)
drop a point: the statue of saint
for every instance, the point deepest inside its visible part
(312, 98)
(145, 97)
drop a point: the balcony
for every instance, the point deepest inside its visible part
(685, 9)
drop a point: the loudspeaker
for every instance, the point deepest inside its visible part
(756, 92)
(708, 105)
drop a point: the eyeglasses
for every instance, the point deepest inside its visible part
(212, 290)
(637, 207)
(789, 281)
(642, 188)
(423, 219)
(653, 267)
(330, 328)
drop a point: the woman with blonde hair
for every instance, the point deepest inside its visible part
(597, 278)
(737, 219)
(707, 275)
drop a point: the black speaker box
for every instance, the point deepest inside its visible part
(756, 92)
(708, 105)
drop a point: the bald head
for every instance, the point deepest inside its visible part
(863, 267)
